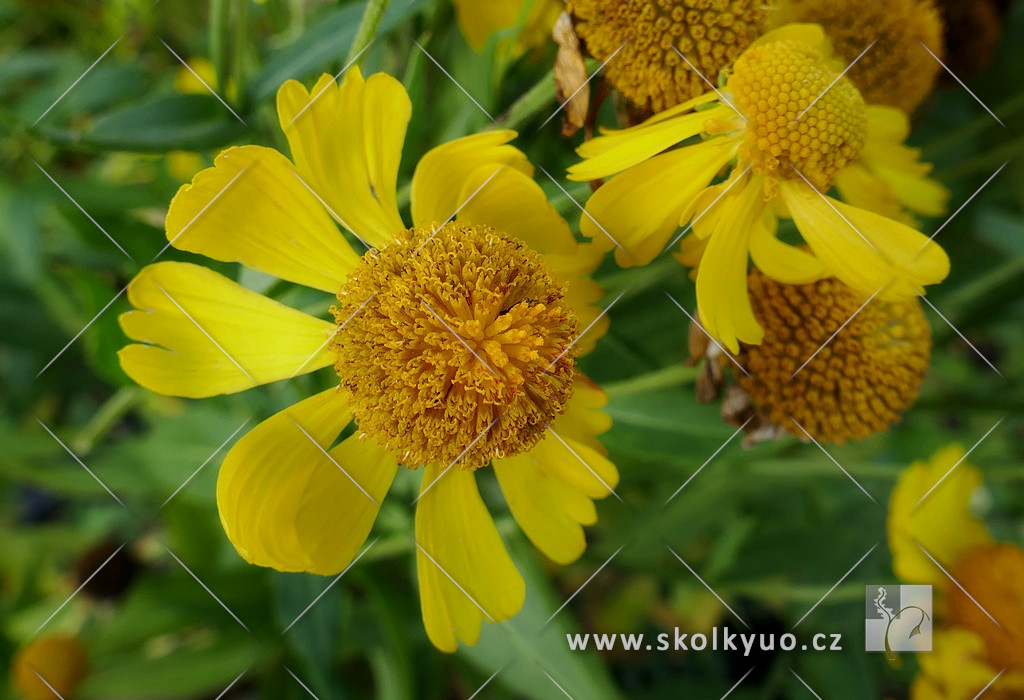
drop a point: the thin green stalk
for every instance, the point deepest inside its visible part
(659, 379)
(105, 419)
(367, 30)
(220, 41)
(240, 34)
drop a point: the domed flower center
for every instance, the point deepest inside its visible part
(993, 577)
(800, 123)
(454, 344)
(648, 36)
(858, 382)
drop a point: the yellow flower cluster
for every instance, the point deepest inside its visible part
(455, 335)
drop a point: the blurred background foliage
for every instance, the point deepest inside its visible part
(771, 529)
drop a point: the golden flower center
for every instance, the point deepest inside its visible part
(858, 383)
(897, 71)
(642, 33)
(994, 577)
(454, 344)
(800, 123)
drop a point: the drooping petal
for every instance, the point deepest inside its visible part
(583, 467)
(942, 523)
(550, 489)
(252, 208)
(864, 250)
(549, 510)
(465, 573)
(290, 502)
(639, 209)
(515, 204)
(722, 297)
(584, 418)
(898, 166)
(346, 142)
(582, 293)
(206, 335)
(781, 261)
(437, 184)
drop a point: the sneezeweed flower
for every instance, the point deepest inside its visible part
(49, 668)
(973, 32)
(650, 38)
(454, 344)
(526, 24)
(792, 128)
(979, 586)
(897, 70)
(809, 378)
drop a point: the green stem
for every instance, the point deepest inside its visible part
(667, 376)
(105, 419)
(542, 95)
(220, 40)
(238, 51)
(541, 98)
(367, 30)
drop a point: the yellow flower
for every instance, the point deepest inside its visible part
(797, 129)
(454, 345)
(979, 582)
(897, 70)
(49, 664)
(652, 40)
(530, 20)
(806, 378)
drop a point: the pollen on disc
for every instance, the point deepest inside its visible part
(454, 343)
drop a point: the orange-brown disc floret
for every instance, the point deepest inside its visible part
(803, 121)
(648, 39)
(897, 70)
(859, 382)
(454, 343)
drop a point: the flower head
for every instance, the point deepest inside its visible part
(787, 129)
(936, 539)
(808, 378)
(454, 342)
(897, 70)
(650, 38)
(500, 367)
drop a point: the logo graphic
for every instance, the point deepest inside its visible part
(897, 618)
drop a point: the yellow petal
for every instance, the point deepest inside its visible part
(859, 187)
(584, 418)
(206, 335)
(252, 208)
(437, 184)
(288, 501)
(346, 142)
(955, 669)
(640, 208)
(465, 574)
(722, 297)
(548, 509)
(781, 261)
(581, 466)
(516, 205)
(942, 523)
(898, 166)
(616, 151)
(864, 250)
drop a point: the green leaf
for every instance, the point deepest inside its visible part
(168, 122)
